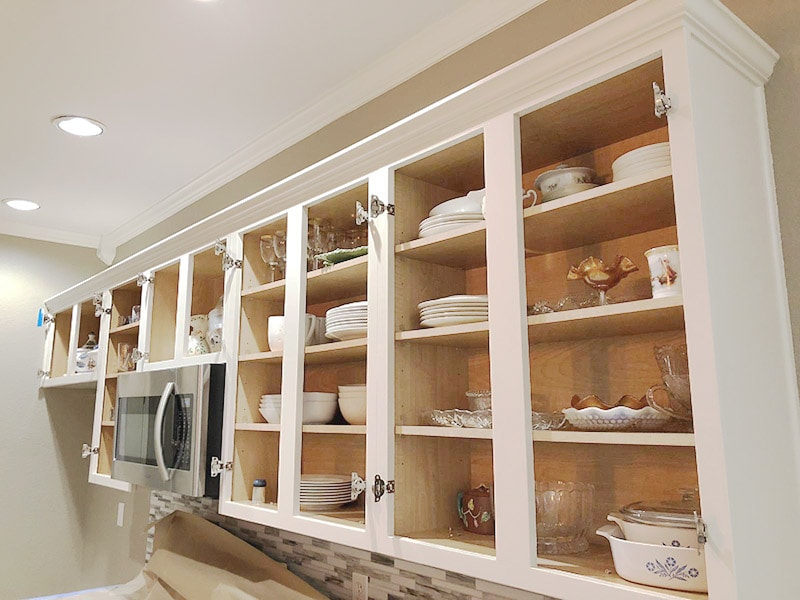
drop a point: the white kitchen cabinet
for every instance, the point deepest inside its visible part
(65, 332)
(584, 100)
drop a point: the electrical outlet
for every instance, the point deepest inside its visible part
(360, 586)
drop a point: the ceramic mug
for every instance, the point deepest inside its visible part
(665, 271)
(275, 331)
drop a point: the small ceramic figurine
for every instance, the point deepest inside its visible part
(197, 335)
(86, 357)
(597, 275)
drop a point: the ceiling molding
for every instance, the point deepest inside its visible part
(473, 21)
(47, 234)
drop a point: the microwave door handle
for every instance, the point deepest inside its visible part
(158, 430)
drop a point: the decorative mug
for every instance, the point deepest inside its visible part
(665, 271)
(275, 331)
(197, 335)
(475, 510)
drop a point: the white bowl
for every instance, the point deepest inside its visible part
(472, 202)
(550, 182)
(271, 414)
(354, 409)
(657, 565)
(675, 537)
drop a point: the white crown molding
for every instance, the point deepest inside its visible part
(471, 22)
(629, 36)
(48, 234)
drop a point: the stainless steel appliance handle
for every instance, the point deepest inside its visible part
(158, 430)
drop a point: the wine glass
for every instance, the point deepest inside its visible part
(279, 247)
(269, 255)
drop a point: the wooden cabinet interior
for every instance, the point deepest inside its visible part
(255, 457)
(123, 299)
(164, 313)
(89, 323)
(60, 356)
(256, 273)
(208, 282)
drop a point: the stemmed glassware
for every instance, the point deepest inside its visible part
(273, 253)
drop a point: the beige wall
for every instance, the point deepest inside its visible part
(58, 532)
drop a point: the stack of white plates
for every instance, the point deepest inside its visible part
(443, 223)
(453, 310)
(347, 322)
(353, 403)
(641, 160)
(325, 492)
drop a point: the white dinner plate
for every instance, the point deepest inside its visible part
(449, 309)
(320, 478)
(466, 216)
(457, 299)
(351, 323)
(651, 149)
(470, 203)
(445, 321)
(347, 334)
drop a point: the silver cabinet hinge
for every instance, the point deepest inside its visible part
(702, 530)
(228, 262)
(42, 373)
(381, 487)
(357, 486)
(87, 451)
(661, 100)
(47, 318)
(141, 279)
(217, 466)
(97, 300)
(138, 355)
(376, 208)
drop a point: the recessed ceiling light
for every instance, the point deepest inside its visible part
(81, 126)
(20, 204)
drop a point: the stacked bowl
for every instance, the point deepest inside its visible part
(641, 160)
(318, 408)
(453, 214)
(353, 403)
(346, 322)
(325, 492)
(453, 310)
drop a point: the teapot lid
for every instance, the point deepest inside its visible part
(481, 490)
(681, 513)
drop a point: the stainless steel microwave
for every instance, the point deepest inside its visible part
(169, 426)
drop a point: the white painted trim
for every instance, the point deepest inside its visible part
(443, 38)
(49, 234)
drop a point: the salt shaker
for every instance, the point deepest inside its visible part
(260, 491)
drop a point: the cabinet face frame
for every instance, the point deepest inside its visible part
(685, 33)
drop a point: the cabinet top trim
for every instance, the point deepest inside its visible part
(633, 34)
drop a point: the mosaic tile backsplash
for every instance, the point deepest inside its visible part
(328, 566)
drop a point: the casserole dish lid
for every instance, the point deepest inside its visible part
(670, 513)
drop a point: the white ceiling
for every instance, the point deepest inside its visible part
(193, 93)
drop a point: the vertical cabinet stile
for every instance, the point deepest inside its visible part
(74, 340)
(230, 346)
(508, 343)
(185, 281)
(293, 358)
(380, 359)
(146, 312)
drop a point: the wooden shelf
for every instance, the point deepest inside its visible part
(352, 515)
(108, 423)
(596, 562)
(271, 427)
(630, 438)
(464, 248)
(625, 438)
(456, 538)
(344, 280)
(611, 211)
(337, 352)
(129, 328)
(79, 381)
(262, 357)
(111, 375)
(470, 335)
(626, 318)
(444, 432)
(334, 429)
(273, 291)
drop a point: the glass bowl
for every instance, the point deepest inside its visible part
(563, 516)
